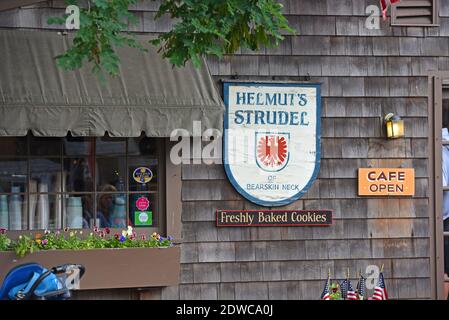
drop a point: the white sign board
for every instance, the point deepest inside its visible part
(272, 139)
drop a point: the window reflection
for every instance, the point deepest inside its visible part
(78, 175)
(110, 146)
(13, 175)
(78, 182)
(142, 146)
(79, 211)
(14, 146)
(45, 146)
(13, 213)
(111, 171)
(46, 175)
(111, 208)
(45, 211)
(78, 146)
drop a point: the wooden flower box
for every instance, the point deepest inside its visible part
(109, 268)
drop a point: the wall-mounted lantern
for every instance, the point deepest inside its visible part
(394, 125)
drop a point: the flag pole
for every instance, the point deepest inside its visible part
(382, 268)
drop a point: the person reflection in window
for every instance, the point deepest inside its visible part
(105, 206)
(445, 177)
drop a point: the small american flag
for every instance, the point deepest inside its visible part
(361, 288)
(380, 291)
(344, 289)
(351, 293)
(384, 4)
(326, 294)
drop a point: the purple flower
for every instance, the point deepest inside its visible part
(2, 231)
(122, 238)
(170, 238)
(44, 242)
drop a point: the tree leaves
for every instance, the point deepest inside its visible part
(202, 27)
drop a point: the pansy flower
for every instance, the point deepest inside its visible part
(117, 236)
(47, 231)
(2, 230)
(96, 229)
(129, 231)
(122, 238)
(44, 242)
(142, 237)
(107, 230)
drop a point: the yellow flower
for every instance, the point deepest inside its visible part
(156, 236)
(71, 233)
(38, 241)
(124, 233)
(20, 237)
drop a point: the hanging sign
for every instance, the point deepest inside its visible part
(386, 182)
(272, 140)
(279, 218)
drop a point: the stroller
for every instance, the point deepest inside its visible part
(31, 281)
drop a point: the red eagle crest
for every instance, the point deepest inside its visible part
(272, 150)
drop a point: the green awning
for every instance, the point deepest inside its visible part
(150, 95)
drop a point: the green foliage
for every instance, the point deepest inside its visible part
(4, 240)
(25, 245)
(76, 240)
(203, 27)
(210, 27)
(100, 31)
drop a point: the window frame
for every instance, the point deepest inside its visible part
(435, 16)
(161, 226)
(437, 81)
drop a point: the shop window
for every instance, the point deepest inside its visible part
(415, 13)
(53, 183)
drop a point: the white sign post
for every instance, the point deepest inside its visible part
(272, 139)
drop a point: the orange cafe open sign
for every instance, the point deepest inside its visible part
(386, 182)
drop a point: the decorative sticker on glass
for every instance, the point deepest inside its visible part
(142, 175)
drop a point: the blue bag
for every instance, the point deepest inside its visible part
(49, 284)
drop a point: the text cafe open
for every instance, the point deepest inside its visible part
(383, 181)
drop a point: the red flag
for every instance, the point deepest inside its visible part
(384, 4)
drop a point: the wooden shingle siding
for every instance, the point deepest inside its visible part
(364, 74)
